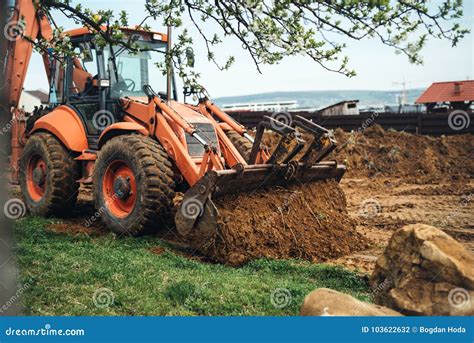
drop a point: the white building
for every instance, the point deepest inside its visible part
(346, 107)
(269, 106)
(31, 99)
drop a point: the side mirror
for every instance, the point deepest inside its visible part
(86, 51)
(104, 83)
(190, 57)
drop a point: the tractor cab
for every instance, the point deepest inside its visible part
(93, 82)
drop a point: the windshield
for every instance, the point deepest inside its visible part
(134, 70)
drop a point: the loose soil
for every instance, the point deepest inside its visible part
(302, 221)
(74, 228)
(432, 204)
(418, 158)
(158, 250)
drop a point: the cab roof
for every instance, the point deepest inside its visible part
(82, 31)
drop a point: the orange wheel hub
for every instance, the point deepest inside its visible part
(119, 189)
(36, 177)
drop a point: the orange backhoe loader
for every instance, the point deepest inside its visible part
(114, 121)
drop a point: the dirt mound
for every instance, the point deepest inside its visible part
(303, 221)
(389, 153)
(379, 152)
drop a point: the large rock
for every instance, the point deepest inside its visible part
(423, 271)
(326, 302)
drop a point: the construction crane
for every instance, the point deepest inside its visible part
(402, 97)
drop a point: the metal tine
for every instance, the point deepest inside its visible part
(266, 124)
(308, 125)
(322, 145)
(281, 155)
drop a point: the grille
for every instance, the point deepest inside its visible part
(207, 132)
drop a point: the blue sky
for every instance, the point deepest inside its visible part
(377, 66)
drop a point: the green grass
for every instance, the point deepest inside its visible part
(63, 273)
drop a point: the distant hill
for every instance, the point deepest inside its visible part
(319, 99)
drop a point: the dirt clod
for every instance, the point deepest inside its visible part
(73, 228)
(158, 250)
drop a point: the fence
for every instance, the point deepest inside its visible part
(456, 122)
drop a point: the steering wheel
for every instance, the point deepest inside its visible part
(130, 84)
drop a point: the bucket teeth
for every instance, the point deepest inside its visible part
(322, 142)
(289, 146)
(317, 143)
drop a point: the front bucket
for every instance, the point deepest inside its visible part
(198, 217)
(299, 218)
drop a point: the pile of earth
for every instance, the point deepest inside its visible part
(378, 152)
(390, 153)
(302, 221)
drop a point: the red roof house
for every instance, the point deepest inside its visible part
(457, 93)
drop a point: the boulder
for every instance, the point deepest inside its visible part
(424, 271)
(327, 302)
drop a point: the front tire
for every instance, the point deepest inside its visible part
(48, 176)
(133, 185)
(243, 146)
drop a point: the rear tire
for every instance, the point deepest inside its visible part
(133, 185)
(243, 146)
(48, 176)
